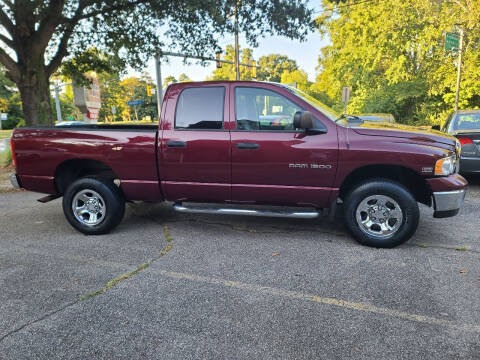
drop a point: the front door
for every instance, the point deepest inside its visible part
(272, 162)
(195, 162)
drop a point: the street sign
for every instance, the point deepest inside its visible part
(136, 102)
(452, 41)
(345, 94)
(114, 109)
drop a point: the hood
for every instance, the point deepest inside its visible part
(414, 133)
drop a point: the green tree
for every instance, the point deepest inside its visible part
(183, 78)
(272, 66)
(227, 71)
(37, 36)
(392, 56)
(111, 94)
(297, 77)
(9, 101)
(169, 80)
(133, 89)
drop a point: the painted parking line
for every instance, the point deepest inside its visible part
(278, 292)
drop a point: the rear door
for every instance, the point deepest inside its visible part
(272, 162)
(194, 151)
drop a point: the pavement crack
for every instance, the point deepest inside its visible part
(112, 283)
(45, 316)
(458, 248)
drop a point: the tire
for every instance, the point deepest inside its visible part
(100, 205)
(381, 213)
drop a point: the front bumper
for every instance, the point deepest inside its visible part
(14, 181)
(448, 203)
(470, 165)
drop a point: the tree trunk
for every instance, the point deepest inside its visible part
(34, 88)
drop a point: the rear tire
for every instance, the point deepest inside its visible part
(381, 213)
(93, 205)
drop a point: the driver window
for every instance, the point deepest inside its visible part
(259, 109)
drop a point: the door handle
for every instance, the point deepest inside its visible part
(247, 146)
(176, 144)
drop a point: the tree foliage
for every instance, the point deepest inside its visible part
(227, 71)
(391, 53)
(37, 36)
(272, 66)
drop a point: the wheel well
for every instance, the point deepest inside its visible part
(405, 176)
(71, 170)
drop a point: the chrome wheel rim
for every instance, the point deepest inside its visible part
(89, 207)
(379, 215)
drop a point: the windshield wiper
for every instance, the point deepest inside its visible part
(346, 116)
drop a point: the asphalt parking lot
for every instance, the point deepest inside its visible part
(174, 286)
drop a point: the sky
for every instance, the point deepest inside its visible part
(305, 53)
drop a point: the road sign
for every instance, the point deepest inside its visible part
(345, 94)
(136, 102)
(114, 109)
(4, 116)
(452, 41)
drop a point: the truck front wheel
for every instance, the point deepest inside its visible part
(93, 206)
(381, 213)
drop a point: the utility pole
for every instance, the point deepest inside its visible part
(459, 68)
(159, 85)
(57, 102)
(237, 56)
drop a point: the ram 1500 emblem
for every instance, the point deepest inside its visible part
(311, 166)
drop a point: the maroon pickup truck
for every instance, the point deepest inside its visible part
(246, 148)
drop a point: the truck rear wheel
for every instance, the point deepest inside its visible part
(381, 213)
(93, 206)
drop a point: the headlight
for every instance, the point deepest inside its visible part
(445, 166)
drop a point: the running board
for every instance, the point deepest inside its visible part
(48, 198)
(251, 212)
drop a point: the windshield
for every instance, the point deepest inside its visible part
(317, 104)
(467, 122)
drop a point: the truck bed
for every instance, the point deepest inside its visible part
(129, 151)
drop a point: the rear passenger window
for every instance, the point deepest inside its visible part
(200, 108)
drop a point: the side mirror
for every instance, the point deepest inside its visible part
(303, 120)
(436, 127)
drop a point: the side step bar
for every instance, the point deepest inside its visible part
(250, 212)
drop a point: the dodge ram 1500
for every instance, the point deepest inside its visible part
(248, 148)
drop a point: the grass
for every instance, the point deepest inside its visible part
(422, 245)
(5, 133)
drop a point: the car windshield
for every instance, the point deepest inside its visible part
(467, 122)
(317, 104)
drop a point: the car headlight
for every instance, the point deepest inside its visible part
(445, 166)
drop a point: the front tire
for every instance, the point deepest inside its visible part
(381, 213)
(93, 206)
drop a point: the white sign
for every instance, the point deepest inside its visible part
(4, 145)
(4, 116)
(114, 109)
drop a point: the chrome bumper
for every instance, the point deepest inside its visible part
(14, 181)
(448, 203)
